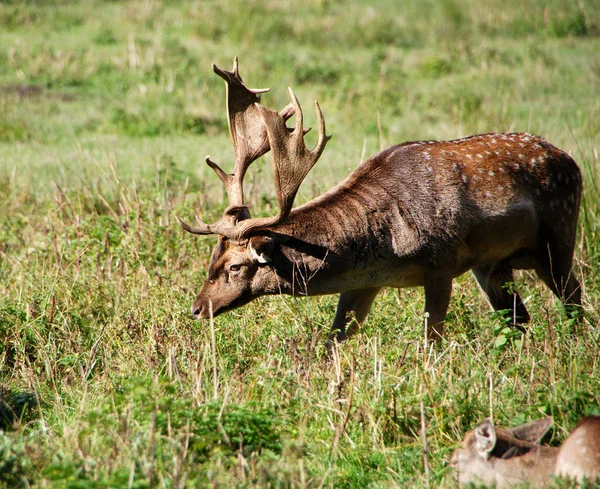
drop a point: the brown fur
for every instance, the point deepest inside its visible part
(417, 214)
(579, 455)
(509, 457)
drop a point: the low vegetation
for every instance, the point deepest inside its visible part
(106, 112)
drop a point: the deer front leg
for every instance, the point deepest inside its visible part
(352, 309)
(437, 297)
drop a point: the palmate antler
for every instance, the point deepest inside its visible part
(250, 142)
(291, 161)
(254, 130)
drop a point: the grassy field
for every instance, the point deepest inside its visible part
(106, 112)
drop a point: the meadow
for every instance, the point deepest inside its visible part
(107, 110)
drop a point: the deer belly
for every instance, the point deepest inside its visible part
(502, 236)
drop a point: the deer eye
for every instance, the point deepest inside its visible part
(235, 268)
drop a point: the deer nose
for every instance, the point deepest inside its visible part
(196, 310)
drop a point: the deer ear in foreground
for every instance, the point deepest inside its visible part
(416, 214)
(505, 458)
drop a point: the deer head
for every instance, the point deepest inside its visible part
(504, 457)
(241, 252)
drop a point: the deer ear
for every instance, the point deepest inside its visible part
(261, 248)
(533, 431)
(485, 438)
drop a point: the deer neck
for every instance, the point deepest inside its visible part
(342, 231)
(534, 467)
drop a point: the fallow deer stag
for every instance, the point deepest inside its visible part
(416, 214)
(505, 458)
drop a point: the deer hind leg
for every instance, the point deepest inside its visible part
(437, 297)
(554, 265)
(495, 280)
(352, 309)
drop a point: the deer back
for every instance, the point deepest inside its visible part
(487, 193)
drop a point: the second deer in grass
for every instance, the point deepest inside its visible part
(416, 214)
(506, 458)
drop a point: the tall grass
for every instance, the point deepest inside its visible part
(106, 112)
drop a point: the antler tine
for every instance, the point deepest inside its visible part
(235, 73)
(288, 111)
(226, 226)
(220, 173)
(300, 132)
(202, 229)
(323, 138)
(299, 114)
(232, 182)
(301, 159)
